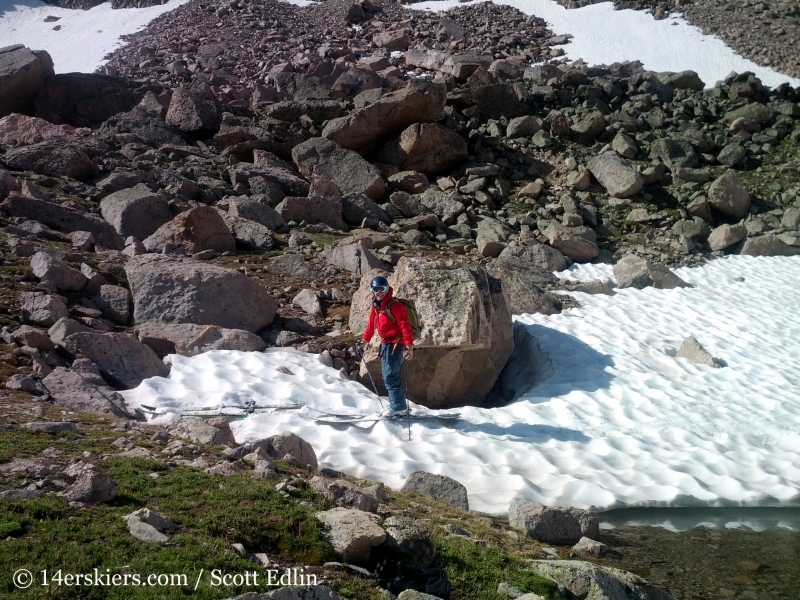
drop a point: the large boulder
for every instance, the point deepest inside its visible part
(189, 339)
(541, 256)
(313, 209)
(197, 229)
(194, 113)
(522, 281)
(136, 211)
(122, 359)
(615, 174)
(63, 218)
(553, 525)
(325, 159)
(354, 256)
(52, 157)
(352, 533)
(248, 234)
(31, 130)
(437, 487)
(22, 75)
(593, 582)
(729, 195)
(82, 389)
(255, 210)
(85, 99)
(42, 309)
(466, 338)
(345, 494)
(288, 444)
(427, 147)
(576, 243)
(421, 101)
(637, 272)
(49, 269)
(493, 101)
(215, 432)
(171, 290)
(768, 245)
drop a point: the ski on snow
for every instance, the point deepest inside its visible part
(333, 418)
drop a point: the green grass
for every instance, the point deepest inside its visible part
(214, 513)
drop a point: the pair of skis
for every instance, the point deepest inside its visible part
(221, 410)
(333, 418)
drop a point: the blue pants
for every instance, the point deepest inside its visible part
(391, 362)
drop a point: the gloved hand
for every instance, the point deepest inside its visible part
(409, 353)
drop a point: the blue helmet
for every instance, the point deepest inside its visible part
(379, 284)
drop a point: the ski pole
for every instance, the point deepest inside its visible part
(360, 352)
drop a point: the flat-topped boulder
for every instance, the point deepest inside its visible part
(467, 334)
(22, 75)
(175, 290)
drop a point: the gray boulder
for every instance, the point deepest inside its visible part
(541, 256)
(421, 101)
(189, 339)
(694, 351)
(319, 157)
(248, 234)
(635, 271)
(356, 257)
(553, 525)
(122, 359)
(729, 195)
(768, 245)
(522, 281)
(313, 209)
(33, 338)
(290, 444)
(592, 582)
(22, 75)
(615, 174)
(214, 432)
(82, 389)
(116, 303)
(172, 290)
(197, 229)
(357, 207)
(726, 235)
(65, 327)
(53, 157)
(576, 243)
(427, 147)
(254, 210)
(410, 539)
(38, 308)
(353, 533)
(50, 270)
(135, 211)
(90, 485)
(63, 218)
(674, 153)
(526, 126)
(437, 487)
(345, 494)
(440, 204)
(193, 113)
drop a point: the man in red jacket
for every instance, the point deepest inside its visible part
(390, 319)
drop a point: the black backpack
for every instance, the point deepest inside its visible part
(396, 577)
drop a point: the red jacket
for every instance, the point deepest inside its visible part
(389, 331)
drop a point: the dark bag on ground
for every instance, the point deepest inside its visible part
(397, 577)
